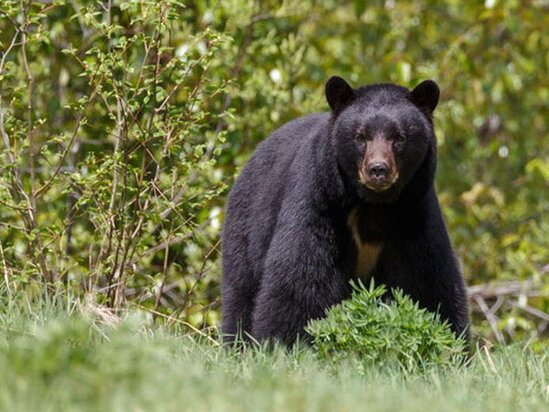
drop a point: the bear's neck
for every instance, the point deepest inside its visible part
(377, 222)
(406, 214)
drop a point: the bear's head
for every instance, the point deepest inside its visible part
(382, 135)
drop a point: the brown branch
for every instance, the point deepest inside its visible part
(17, 186)
(532, 311)
(504, 294)
(68, 148)
(493, 290)
(188, 325)
(492, 319)
(37, 246)
(221, 124)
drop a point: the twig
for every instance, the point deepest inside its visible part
(504, 293)
(5, 267)
(491, 290)
(490, 360)
(79, 118)
(171, 318)
(227, 102)
(492, 319)
(533, 311)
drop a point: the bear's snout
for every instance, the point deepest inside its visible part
(378, 177)
(378, 170)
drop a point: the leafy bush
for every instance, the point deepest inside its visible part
(110, 130)
(380, 332)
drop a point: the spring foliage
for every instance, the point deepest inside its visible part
(379, 332)
(123, 123)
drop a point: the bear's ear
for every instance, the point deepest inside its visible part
(338, 92)
(425, 95)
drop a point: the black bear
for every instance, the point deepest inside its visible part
(334, 196)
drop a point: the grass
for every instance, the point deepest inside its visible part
(82, 359)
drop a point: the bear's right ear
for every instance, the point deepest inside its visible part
(338, 92)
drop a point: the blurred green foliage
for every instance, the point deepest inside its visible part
(124, 122)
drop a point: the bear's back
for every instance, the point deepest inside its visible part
(283, 144)
(255, 200)
(268, 169)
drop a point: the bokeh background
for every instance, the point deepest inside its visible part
(124, 124)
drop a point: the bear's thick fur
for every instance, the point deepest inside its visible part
(334, 196)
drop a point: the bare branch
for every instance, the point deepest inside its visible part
(492, 319)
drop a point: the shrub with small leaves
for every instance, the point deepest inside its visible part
(368, 328)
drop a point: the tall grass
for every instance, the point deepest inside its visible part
(86, 358)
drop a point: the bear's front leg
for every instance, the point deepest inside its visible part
(303, 276)
(424, 266)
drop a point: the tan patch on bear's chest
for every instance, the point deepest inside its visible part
(367, 253)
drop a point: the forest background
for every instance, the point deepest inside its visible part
(124, 123)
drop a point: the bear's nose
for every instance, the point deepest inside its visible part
(378, 169)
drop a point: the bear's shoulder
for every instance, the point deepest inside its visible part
(285, 153)
(277, 153)
(297, 131)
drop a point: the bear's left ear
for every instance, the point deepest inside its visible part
(338, 92)
(425, 95)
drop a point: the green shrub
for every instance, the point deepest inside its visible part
(372, 330)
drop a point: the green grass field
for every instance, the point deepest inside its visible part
(82, 359)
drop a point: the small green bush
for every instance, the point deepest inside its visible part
(368, 328)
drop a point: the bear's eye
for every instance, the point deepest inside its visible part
(399, 141)
(362, 137)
